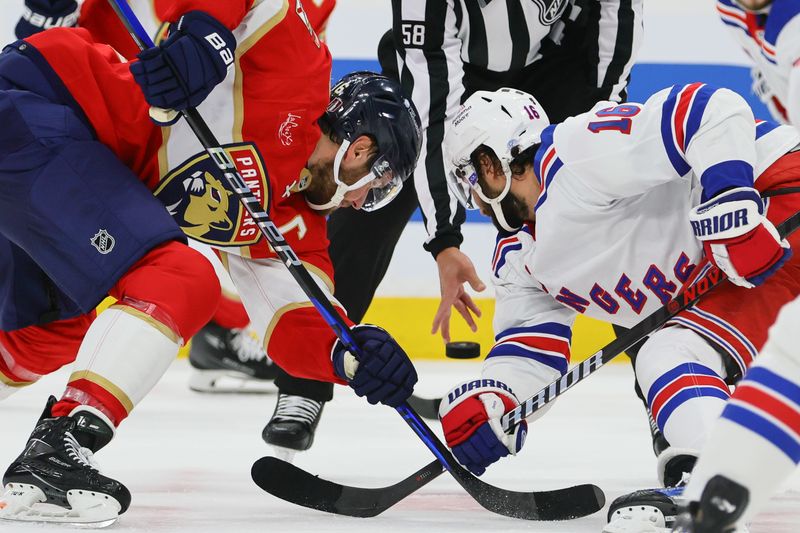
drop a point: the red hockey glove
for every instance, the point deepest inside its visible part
(470, 416)
(738, 238)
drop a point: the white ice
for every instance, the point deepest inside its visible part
(186, 459)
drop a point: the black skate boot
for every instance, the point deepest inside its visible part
(722, 504)
(229, 360)
(293, 423)
(56, 480)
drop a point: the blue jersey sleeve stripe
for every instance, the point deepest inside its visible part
(763, 427)
(550, 328)
(780, 14)
(667, 134)
(701, 98)
(725, 175)
(765, 126)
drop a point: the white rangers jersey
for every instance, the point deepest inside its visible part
(611, 237)
(772, 41)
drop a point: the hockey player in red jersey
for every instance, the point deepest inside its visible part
(608, 214)
(357, 151)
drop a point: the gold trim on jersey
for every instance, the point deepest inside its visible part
(109, 387)
(241, 49)
(321, 274)
(278, 315)
(167, 331)
(7, 381)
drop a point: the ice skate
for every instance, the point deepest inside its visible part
(56, 479)
(293, 424)
(229, 360)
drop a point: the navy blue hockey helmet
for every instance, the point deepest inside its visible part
(366, 103)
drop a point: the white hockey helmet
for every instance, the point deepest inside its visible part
(508, 121)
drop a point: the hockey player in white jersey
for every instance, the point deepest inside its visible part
(769, 32)
(760, 422)
(608, 214)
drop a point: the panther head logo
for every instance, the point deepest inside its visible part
(207, 208)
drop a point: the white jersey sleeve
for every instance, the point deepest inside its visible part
(533, 331)
(620, 151)
(783, 28)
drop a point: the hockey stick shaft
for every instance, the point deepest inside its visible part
(276, 240)
(687, 297)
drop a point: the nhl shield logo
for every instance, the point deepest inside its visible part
(103, 241)
(550, 10)
(205, 207)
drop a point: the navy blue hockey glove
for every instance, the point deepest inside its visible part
(182, 71)
(470, 416)
(40, 15)
(384, 373)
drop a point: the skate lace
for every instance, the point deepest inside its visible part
(297, 408)
(247, 345)
(79, 454)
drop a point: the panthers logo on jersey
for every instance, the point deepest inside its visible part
(204, 205)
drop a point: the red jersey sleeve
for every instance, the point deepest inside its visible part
(229, 12)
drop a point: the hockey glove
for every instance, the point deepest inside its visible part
(470, 418)
(40, 15)
(181, 72)
(738, 238)
(384, 373)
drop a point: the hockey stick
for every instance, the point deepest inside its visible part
(683, 300)
(290, 483)
(298, 486)
(427, 408)
(492, 498)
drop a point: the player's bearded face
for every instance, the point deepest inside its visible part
(514, 210)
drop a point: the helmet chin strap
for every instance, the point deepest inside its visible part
(497, 209)
(341, 188)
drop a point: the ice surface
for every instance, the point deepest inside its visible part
(186, 459)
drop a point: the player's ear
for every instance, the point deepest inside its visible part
(362, 147)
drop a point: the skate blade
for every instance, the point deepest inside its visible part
(27, 503)
(229, 382)
(284, 454)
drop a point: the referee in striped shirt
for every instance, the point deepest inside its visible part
(569, 54)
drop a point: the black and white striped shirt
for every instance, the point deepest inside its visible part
(438, 40)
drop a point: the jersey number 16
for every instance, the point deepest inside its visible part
(622, 124)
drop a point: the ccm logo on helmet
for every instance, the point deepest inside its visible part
(717, 224)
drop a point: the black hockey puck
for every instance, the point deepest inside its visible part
(462, 350)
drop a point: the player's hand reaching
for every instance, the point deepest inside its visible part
(181, 72)
(384, 373)
(738, 238)
(455, 269)
(470, 416)
(40, 15)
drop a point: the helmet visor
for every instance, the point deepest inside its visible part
(462, 179)
(385, 185)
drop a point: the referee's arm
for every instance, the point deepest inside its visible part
(429, 59)
(620, 29)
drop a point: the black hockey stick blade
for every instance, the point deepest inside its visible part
(548, 505)
(427, 408)
(292, 484)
